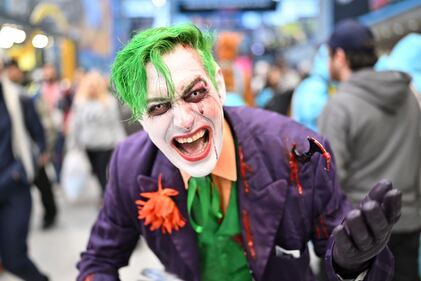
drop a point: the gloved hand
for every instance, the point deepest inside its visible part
(366, 230)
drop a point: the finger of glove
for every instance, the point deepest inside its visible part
(379, 190)
(376, 220)
(392, 204)
(343, 243)
(359, 230)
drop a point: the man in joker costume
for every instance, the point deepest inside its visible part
(225, 193)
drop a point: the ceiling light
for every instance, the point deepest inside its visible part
(40, 41)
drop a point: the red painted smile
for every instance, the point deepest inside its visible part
(194, 146)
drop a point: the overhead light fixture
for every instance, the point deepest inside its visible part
(5, 44)
(6, 40)
(12, 34)
(40, 41)
(19, 36)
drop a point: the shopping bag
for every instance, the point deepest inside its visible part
(75, 173)
(155, 274)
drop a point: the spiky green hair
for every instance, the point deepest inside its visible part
(128, 73)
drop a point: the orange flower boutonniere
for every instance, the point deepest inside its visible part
(160, 210)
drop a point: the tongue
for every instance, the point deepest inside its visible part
(194, 147)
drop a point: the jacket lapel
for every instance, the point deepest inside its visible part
(184, 239)
(261, 198)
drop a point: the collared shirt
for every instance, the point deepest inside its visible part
(225, 171)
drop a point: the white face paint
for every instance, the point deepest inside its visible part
(187, 129)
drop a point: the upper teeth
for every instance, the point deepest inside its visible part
(193, 138)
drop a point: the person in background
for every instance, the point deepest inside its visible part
(405, 56)
(225, 193)
(42, 179)
(130, 125)
(373, 123)
(19, 128)
(312, 94)
(95, 123)
(274, 97)
(53, 96)
(126, 116)
(236, 79)
(65, 105)
(271, 86)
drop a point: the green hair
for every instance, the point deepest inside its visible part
(128, 73)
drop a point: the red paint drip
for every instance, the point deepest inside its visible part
(324, 228)
(325, 154)
(90, 277)
(200, 106)
(160, 182)
(249, 237)
(244, 169)
(238, 239)
(318, 232)
(293, 166)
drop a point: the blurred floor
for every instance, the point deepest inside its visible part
(56, 251)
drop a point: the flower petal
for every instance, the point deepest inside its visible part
(160, 211)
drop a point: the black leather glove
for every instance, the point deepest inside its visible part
(366, 230)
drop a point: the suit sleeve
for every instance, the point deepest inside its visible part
(330, 207)
(113, 236)
(33, 123)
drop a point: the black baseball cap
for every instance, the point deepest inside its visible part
(351, 35)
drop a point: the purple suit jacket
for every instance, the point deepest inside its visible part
(279, 216)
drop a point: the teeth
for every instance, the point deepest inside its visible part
(193, 138)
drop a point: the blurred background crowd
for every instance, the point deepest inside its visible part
(57, 55)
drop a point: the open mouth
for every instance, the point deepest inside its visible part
(194, 146)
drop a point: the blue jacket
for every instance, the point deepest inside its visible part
(405, 56)
(312, 93)
(279, 215)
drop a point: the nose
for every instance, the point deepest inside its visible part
(183, 116)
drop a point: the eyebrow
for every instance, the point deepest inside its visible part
(160, 99)
(190, 86)
(185, 91)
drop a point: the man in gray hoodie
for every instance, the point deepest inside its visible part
(373, 124)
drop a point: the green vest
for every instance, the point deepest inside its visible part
(221, 254)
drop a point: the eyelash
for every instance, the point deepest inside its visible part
(152, 110)
(203, 91)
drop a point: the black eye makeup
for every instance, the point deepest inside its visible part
(198, 92)
(158, 109)
(194, 92)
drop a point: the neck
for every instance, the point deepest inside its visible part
(345, 74)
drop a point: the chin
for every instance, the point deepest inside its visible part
(199, 169)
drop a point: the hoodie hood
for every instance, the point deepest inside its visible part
(385, 89)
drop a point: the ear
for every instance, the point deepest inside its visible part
(220, 83)
(341, 57)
